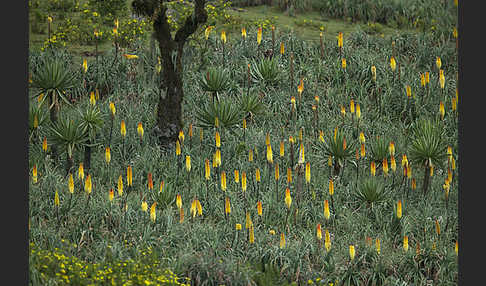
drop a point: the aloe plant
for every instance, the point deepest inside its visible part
(228, 114)
(215, 80)
(266, 71)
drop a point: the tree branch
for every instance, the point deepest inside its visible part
(198, 16)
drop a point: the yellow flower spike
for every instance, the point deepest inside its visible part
(414, 184)
(441, 79)
(343, 63)
(150, 182)
(140, 130)
(422, 80)
(385, 166)
(252, 235)
(223, 180)
(282, 240)
(178, 201)
(456, 248)
(237, 176)
(453, 104)
(301, 154)
(352, 252)
(393, 64)
(362, 138)
(409, 91)
(404, 160)
(331, 187)
(409, 171)
(399, 209)
(71, 183)
(340, 40)
(238, 226)
(277, 172)
(216, 122)
(44, 144)
(307, 172)
(49, 19)
(36, 121)
(81, 171)
(123, 128)
(178, 148)
(223, 36)
(453, 164)
(363, 151)
(292, 102)
(244, 123)
(111, 195)
(130, 57)
(259, 208)
(351, 106)
(120, 186)
(92, 99)
(116, 23)
(112, 108)
(190, 130)
(456, 2)
(438, 62)
(257, 175)
(56, 200)
(282, 149)
(288, 198)
(391, 148)
(269, 154)
(427, 77)
(243, 181)
(88, 185)
(250, 155)
(437, 227)
(300, 87)
(218, 157)
(343, 110)
(243, 32)
(344, 144)
(181, 215)
(327, 240)
(227, 206)
(454, 32)
(181, 136)
(301, 134)
(85, 65)
(327, 214)
(377, 246)
(259, 35)
(282, 48)
(153, 215)
(373, 168)
(129, 175)
(107, 155)
(289, 175)
(393, 164)
(199, 208)
(217, 139)
(321, 136)
(193, 209)
(405, 243)
(373, 73)
(358, 111)
(248, 221)
(319, 232)
(431, 170)
(188, 163)
(207, 31)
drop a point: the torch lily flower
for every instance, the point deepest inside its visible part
(327, 214)
(243, 32)
(399, 209)
(259, 35)
(327, 241)
(393, 64)
(88, 185)
(120, 186)
(153, 215)
(259, 208)
(71, 183)
(56, 199)
(288, 198)
(179, 201)
(352, 252)
(319, 232)
(123, 128)
(331, 187)
(282, 240)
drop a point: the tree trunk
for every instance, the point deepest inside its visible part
(169, 109)
(426, 178)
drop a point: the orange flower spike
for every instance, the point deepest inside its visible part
(243, 181)
(123, 129)
(34, 174)
(277, 172)
(181, 215)
(282, 149)
(111, 195)
(227, 206)
(399, 209)
(437, 227)
(188, 163)
(150, 183)
(129, 175)
(259, 35)
(257, 175)
(373, 168)
(319, 232)
(237, 176)
(363, 151)
(358, 111)
(107, 155)
(391, 148)
(282, 48)
(81, 171)
(88, 185)
(288, 198)
(307, 172)
(282, 240)
(161, 187)
(405, 243)
(393, 164)
(441, 110)
(289, 175)
(153, 215)
(331, 187)
(351, 106)
(340, 40)
(140, 129)
(217, 139)
(259, 208)
(44, 144)
(269, 154)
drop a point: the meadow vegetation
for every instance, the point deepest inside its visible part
(330, 161)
